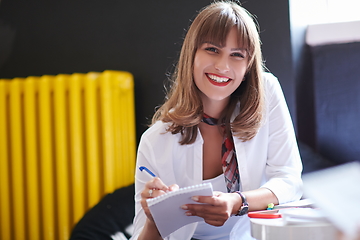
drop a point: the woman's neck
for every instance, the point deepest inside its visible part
(214, 108)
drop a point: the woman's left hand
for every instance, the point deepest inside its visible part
(216, 209)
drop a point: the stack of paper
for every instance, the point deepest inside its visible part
(302, 216)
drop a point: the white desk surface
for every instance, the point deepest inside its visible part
(277, 229)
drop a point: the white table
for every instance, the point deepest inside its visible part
(277, 229)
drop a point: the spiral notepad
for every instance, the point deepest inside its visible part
(166, 210)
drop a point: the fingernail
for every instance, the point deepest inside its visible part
(188, 214)
(195, 198)
(184, 207)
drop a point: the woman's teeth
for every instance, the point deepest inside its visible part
(218, 79)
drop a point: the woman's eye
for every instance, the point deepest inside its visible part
(238, 55)
(211, 49)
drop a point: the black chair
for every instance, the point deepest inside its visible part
(111, 216)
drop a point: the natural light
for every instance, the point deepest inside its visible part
(330, 11)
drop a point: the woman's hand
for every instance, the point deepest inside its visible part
(217, 208)
(154, 188)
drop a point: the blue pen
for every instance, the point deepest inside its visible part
(147, 170)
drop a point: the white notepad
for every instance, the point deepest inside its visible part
(166, 210)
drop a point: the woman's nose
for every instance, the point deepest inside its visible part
(222, 64)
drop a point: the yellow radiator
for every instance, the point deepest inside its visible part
(65, 141)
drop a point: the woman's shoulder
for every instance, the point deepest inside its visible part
(271, 84)
(158, 132)
(157, 139)
(269, 79)
(156, 128)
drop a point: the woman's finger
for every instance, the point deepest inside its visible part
(157, 184)
(173, 187)
(151, 193)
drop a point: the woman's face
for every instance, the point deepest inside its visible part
(219, 71)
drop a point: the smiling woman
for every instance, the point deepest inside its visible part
(209, 34)
(224, 122)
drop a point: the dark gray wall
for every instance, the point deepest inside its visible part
(274, 20)
(142, 37)
(303, 71)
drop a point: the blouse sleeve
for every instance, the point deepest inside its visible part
(283, 165)
(143, 159)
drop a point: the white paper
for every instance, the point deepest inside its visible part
(302, 215)
(166, 210)
(301, 203)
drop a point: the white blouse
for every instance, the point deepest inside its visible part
(270, 160)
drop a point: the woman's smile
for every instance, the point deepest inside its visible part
(218, 80)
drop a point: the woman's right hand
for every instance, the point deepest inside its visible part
(154, 188)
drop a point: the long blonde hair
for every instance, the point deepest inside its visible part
(183, 106)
